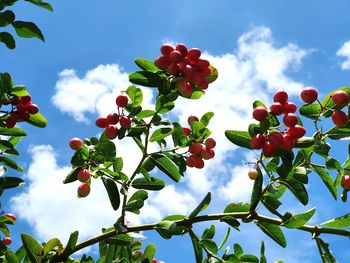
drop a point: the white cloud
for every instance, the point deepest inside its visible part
(344, 51)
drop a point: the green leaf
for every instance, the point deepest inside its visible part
(223, 242)
(271, 203)
(237, 249)
(72, 241)
(19, 91)
(298, 189)
(205, 119)
(239, 207)
(113, 192)
(210, 245)
(299, 220)
(27, 30)
(338, 133)
(135, 94)
(136, 201)
(257, 189)
(118, 164)
(198, 252)
(146, 64)
(50, 245)
(311, 111)
(328, 103)
(12, 132)
(11, 257)
(274, 232)
(196, 94)
(147, 79)
(37, 120)
(72, 176)
(248, 258)
(120, 240)
(145, 114)
(32, 247)
(165, 228)
(160, 134)
(105, 150)
(6, 18)
(10, 182)
(6, 82)
(10, 163)
(202, 205)
(41, 4)
(154, 184)
(239, 138)
(304, 142)
(213, 74)
(339, 222)
(262, 253)
(327, 180)
(333, 164)
(149, 253)
(8, 40)
(166, 166)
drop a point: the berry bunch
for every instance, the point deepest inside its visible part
(185, 64)
(274, 139)
(341, 99)
(198, 151)
(22, 108)
(110, 122)
(8, 240)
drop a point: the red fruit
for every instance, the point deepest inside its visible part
(175, 56)
(111, 132)
(166, 49)
(275, 138)
(173, 69)
(76, 143)
(184, 87)
(7, 241)
(15, 101)
(309, 95)
(268, 150)
(162, 62)
(252, 173)
(260, 113)
(186, 131)
(281, 97)
(205, 72)
(296, 132)
(192, 118)
(195, 148)
(193, 54)
(257, 141)
(187, 71)
(340, 98)
(201, 64)
(276, 109)
(10, 215)
(121, 101)
(199, 163)
(101, 122)
(84, 190)
(345, 182)
(32, 108)
(11, 122)
(290, 119)
(196, 78)
(340, 118)
(287, 143)
(25, 99)
(24, 116)
(207, 153)
(125, 122)
(204, 84)
(191, 160)
(84, 175)
(182, 48)
(113, 118)
(210, 143)
(289, 107)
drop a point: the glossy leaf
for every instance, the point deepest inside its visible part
(209, 232)
(327, 180)
(154, 184)
(223, 242)
(239, 138)
(299, 220)
(150, 252)
(135, 94)
(202, 205)
(165, 165)
(257, 189)
(198, 252)
(311, 111)
(339, 222)
(19, 90)
(72, 241)
(113, 192)
(262, 253)
(6, 18)
(136, 201)
(146, 78)
(10, 182)
(11, 257)
(165, 228)
(41, 4)
(248, 258)
(37, 120)
(274, 232)
(213, 74)
(210, 245)
(205, 119)
(32, 247)
(52, 244)
(27, 30)
(160, 134)
(8, 40)
(146, 64)
(10, 163)
(239, 207)
(298, 189)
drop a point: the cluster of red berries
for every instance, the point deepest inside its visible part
(24, 107)
(187, 64)
(274, 140)
(109, 122)
(198, 150)
(7, 240)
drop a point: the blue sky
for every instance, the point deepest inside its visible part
(258, 47)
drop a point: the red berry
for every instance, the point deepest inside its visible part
(192, 118)
(289, 107)
(193, 54)
(204, 84)
(187, 71)
(296, 132)
(84, 175)
(287, 143)
(257, 141)
(121, 101)
(340, 118)
(166, 49)
(276, 109)
(191, 160)
(173, 69)
(111, 132)
(101, 122)
(11, 122)
(7, 241)
(15, 101)
(281, 97)
(182, 48)
(196, 78)
(186, 131)
(207, 153)
(125, 122)
(113, 118)
(268, 149)
(252, 173)
(199, 163)
(184, 87)
(275, 138)
(260, 113)
(290, 119)
(195, 148)
(205, 72)
(24, 116)
(309, 95)
(201, 64)
(83, 190)
(345, 182)
(162, 62)
(25, 99)
(175, 56)
(210, 143)
(340, 98)
(32, 108)
(10, 215)
(76, 143)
